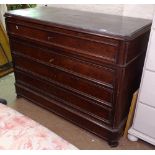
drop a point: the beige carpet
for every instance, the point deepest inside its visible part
(75, 135)
(7, 89)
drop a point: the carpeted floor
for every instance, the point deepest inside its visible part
(7, 89)
(75, 135)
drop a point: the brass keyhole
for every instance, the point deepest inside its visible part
(17, 27)
(51, 60)
(50, 38)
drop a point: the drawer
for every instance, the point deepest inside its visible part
(150, 63)
(99, 74)
(91, 48)
(153, 24)
(63, 96)
(72, 82)
(147, 93)
(144, 120)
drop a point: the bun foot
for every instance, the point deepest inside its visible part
(113, 143)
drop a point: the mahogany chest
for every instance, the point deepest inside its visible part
(82, 66)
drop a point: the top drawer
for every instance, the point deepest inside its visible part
(106, 51)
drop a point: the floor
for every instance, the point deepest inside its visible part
(75, 135)
(7, 89)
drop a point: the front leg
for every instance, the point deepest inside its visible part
(113, 143)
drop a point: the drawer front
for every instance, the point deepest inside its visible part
(150, 63)
(100, 74)
(153, 24)
(63, 96)
(79, 85)
(144, 120)
(147, 93)
(91, 48)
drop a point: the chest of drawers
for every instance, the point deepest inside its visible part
(82, 66)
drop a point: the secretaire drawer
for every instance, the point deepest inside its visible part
(143, 121)
(78, 85)
(147, 93)
(99, 74)
(94, 49)
(63, 96)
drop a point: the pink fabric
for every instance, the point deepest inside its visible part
(20, 132)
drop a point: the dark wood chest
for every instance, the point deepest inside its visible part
(82, 66)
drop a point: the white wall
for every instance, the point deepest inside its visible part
(133, 10)
(103, 8)
(139, 10)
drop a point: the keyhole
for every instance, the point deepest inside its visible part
(51, 60)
